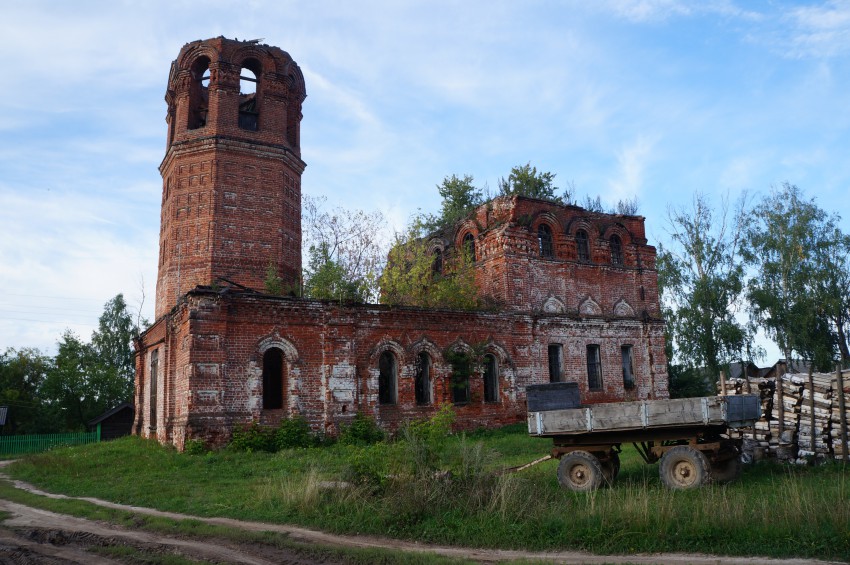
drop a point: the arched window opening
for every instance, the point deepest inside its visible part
(544, 241)
(199, 96)
(423, 379)
(491, 379)
(582, 246)
(461, 363)
(249, 109)
(616, 250)
(437, 265)
(469, 245)
(387, 373)
(273, 379)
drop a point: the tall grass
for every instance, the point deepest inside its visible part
(449, 491)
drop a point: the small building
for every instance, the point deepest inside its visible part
(114, 423)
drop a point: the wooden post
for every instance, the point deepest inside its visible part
(842, 413)
(812, 406)
(722, 383)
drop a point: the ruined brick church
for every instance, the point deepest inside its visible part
(578, 289)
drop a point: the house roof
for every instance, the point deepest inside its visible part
(108, 413)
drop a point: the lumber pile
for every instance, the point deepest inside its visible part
(801, 416)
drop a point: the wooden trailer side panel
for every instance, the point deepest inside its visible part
(646, 414)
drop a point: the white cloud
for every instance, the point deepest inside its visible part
(632, 161)
(820, 31)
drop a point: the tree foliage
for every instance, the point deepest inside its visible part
(346, 251)
(22, 376)
(410, 277)
(525, 180)
(701, 277)
(328, 279)
(801, 292)
(82, 381)
(459, 198)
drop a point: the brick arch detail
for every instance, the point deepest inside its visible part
(589, 307)
(467, 226)
(499, 352)
(548, 218)
(617, 229)
(623, 309)
(290, 352)
(388, 344)
(553, 305)
(241, 55)
(425, 345)
(191, 55)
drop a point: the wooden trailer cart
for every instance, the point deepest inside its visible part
(688, 435)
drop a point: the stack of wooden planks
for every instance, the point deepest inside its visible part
(801, 416)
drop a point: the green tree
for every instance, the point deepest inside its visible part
(273, 283)
(112, 341)
(342, 242)
(701, 277)
(22, 376)
(410, 277)
(800, 292)
(524, 180)
(86, 379)
(327, 279)
(459, 198)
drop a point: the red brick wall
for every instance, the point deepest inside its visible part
(231, 201)
(511, 271)
(331, 356)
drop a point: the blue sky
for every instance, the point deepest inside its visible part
(653, 99)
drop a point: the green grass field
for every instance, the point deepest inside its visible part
(773, 510)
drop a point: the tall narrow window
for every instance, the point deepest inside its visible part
(616, 246)
(491, 379)
(437, 265)
(387, 373)
(273, 379)
(469, 246)
(555, 350)
(628, 366)
(199, 93)
(154, 376)
(594, 368)
(461, 369)
(423, 379)
(249, 109)
(544, 241)
(582, 246)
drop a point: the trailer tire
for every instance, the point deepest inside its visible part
(726, 471)
(684, 467)
(580, 471)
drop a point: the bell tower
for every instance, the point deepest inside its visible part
(231, 192)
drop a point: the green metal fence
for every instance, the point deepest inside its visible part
(18, 445)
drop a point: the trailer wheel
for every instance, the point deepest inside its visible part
(611, 467)
(684, 467)
(726, 471)
(580, 471)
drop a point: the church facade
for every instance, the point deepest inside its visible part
(577, 290)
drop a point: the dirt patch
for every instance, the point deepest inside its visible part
(33, 535)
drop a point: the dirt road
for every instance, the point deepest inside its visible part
(32, 535)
